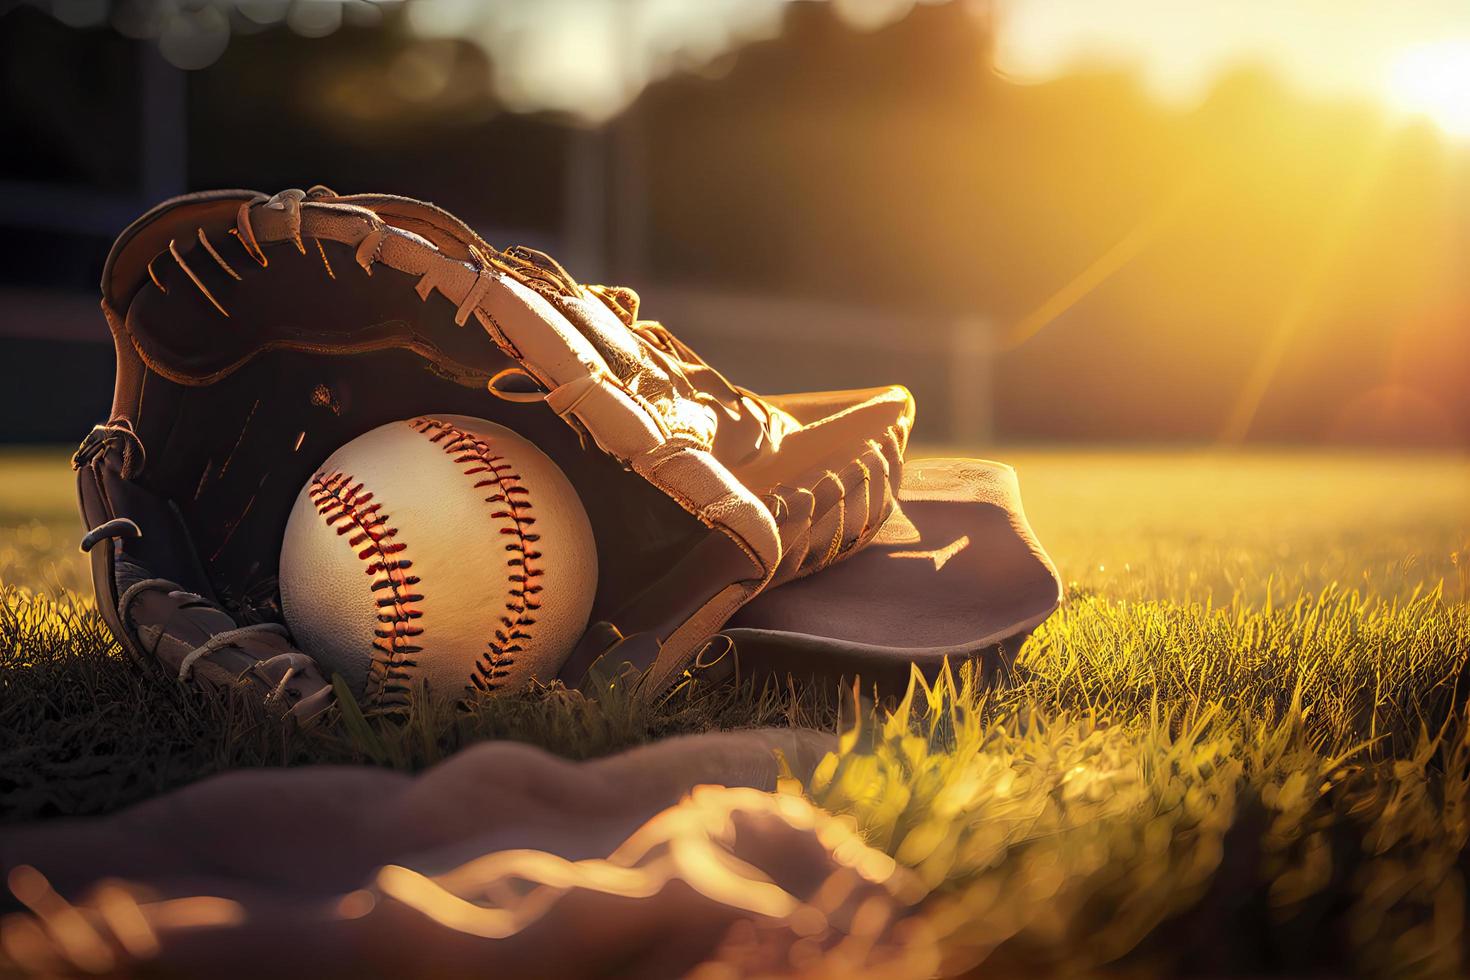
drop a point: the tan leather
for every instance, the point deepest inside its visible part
(794, 483)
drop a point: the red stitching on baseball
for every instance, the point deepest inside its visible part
(478, 459)
(349, 509)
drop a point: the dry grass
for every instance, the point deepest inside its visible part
(1241, 747)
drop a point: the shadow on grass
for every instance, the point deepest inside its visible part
(84, 731)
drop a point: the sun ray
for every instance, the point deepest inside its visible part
(1325, 252)
(1123, 251)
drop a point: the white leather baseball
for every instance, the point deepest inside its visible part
(443, 548)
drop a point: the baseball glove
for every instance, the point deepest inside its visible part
(256, 334)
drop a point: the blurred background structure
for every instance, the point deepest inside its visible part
(1215, 222)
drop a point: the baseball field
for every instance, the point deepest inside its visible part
(1240, 747)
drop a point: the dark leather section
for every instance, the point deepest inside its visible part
(960, 576)
(199, 322)
(165, 548)
(95, 512)
(714, 562)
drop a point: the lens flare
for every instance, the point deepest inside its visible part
(1433, 80)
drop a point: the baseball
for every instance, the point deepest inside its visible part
(441, 549)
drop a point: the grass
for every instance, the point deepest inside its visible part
(1241, 747)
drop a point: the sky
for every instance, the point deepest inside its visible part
(1414, 56)
(590, 57)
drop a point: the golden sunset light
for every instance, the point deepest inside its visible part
(735, 488)
(1433, 80)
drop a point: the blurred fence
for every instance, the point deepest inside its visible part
(778, 344)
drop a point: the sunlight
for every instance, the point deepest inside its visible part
(1123, 251)
(1318, 262)
(1416, 55)
(1433, 80)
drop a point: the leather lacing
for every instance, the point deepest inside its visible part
(122, 527)
(219, 641)
(367, 252)
(116, 431)
(244, 233)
